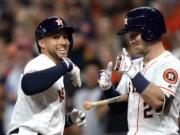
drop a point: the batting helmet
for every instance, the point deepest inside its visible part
(146, 20)
(51, 25)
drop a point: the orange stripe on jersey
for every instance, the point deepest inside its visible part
(168, 90)
(144, 71)
(137, 122)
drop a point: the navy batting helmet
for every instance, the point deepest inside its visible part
(146, 20)
(51, 25)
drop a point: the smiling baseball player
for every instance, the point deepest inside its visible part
(152, 82)
(40, 107)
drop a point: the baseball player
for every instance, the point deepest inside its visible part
(152, 82)
(40, 107)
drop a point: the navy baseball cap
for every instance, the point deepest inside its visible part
(52, 25)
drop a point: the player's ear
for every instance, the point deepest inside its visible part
(41, 43)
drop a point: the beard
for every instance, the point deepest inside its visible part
(141, 49)
(57, 55)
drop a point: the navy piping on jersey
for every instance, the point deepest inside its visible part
(39, 81)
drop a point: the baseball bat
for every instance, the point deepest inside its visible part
(87, 105)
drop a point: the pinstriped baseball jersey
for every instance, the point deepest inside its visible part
(43, 112)
(163, 71)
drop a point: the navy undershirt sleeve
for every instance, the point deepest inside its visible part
(120, 107)
(111, 93)
(39, 81)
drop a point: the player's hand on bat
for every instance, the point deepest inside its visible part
(124, 64)
(74, 72)
(78, 117)
(104, 79)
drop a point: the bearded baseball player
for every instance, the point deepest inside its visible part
(40, 107)
(152, 82)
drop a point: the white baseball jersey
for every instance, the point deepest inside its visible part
(163, 71)
(43, 112)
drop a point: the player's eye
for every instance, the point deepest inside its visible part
(133, 35)
(65, 36)
(55, 36)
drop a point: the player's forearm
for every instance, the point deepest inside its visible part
(153, 96)
(150, 92)
(111, 92)
(37, 82)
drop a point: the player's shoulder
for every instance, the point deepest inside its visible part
(38, 63)
(170, 59)
(37, 60)
(169, 63)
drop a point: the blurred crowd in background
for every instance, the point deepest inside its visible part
(95, 44)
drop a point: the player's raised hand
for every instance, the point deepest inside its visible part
(125, 65)
(123, 62)
(78, 117)
(68, 63)
(75, 76)
(104, 79)
(74, 72)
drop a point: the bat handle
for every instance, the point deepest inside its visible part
(88, 105)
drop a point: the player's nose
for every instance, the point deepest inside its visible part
(63, 39)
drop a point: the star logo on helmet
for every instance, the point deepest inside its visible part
(59, 22)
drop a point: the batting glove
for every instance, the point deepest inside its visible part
(68, 63)
(74, 72)
(75, 76)
(78, 117)
(124, 64)
(104, 79)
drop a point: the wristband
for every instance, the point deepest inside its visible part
(140, 82)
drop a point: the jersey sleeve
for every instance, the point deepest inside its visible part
(123, 84)
(49, 74)
(29, 68)
(38, 64)
(168, 78)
